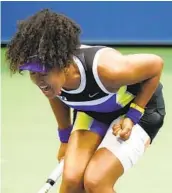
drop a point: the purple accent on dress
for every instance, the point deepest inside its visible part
(64, 134)
(134, 115)
(99, 128)
(108, 106)
(34, 67)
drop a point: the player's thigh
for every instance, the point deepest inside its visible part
(81, 146)
(102, 171)
(114, 157)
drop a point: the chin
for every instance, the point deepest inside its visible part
(50, 95)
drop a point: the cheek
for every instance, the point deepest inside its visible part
(57, 81)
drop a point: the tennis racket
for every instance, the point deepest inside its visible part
(53, 177)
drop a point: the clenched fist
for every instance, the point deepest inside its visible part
(123, 128)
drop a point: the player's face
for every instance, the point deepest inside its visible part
(50, 83)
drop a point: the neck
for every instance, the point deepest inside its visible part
(73, 78)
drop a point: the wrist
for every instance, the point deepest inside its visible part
(135, 113)
(64, 134)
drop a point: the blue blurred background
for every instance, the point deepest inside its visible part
(102, 22)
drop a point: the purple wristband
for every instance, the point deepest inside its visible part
(134, 115)
(64, 134)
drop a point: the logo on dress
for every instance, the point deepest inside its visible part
(93, 95)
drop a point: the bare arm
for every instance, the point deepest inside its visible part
(62, 115)
(116, 70)
(61, 112)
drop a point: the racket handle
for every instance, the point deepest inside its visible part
(45, 188)
(54, 176)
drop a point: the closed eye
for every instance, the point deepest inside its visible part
(45, 74)
(41, 74)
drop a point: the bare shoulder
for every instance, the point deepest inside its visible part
(111, 59)
(107, 63)
(115, 69)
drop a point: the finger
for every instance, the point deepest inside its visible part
(116, 129)
(60, 158)
(117, 133)
(126, 131)
(118, 124)
(126, 136)
(126, 127)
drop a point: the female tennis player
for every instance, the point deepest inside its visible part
(117, 99)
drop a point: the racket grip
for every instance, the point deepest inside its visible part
(45, 188)
(56, 172)
(52, 178)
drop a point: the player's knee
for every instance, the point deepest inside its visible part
(92, 183)
(95, 186)
(72, 179)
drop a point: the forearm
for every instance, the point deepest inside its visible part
(147, 90)
(61, 112)
(62, 115)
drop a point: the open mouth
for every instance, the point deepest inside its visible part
(47, 90)
(44, 88)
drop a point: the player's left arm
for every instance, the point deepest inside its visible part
(116, 70)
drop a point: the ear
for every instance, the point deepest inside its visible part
(69, 63)
(66, 70)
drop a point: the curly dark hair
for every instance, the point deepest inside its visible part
(52, 37)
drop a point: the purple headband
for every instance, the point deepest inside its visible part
(34, 67)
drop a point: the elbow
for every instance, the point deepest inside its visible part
(159, 64)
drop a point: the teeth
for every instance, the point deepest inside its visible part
(43, 87)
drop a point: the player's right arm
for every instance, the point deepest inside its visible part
(62, 115)
(61, 112)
